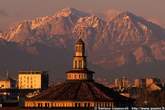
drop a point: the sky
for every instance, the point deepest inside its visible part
(12, 11)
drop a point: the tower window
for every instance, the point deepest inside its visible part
(76, 48)
(75, 64)
(80, 64)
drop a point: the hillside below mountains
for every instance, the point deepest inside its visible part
(127, 45)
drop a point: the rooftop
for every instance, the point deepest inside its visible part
(80, 41)
(32, 72)
(79, 91)
(80, 71)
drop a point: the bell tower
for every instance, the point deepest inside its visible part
(79, 65)
(79, 59)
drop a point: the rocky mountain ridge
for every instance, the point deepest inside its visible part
(126, 41)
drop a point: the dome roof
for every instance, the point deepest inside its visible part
(80, 91)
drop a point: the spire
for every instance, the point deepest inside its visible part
(7, 74)
(80, 41)
(80, 48)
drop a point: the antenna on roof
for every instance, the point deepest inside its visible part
(7, 74)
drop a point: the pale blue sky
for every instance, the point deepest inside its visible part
(16, 10)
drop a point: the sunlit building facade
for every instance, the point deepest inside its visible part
(149, 83)
(138, 83)
(33, 80)
(8, 83)
(121, 83)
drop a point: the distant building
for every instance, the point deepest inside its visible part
(137, 83)
(6, 86)
(8, 83)
(121, 83)
(33, 80)
(153, 84)
(79, 90)
(148, 83)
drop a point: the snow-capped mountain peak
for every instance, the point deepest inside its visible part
(124, 40)
(70, 12)
(91, 21)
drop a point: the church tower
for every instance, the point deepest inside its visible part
(79, 90)
(79, 59)
(79, 67)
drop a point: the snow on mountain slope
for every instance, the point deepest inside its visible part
(125, 40)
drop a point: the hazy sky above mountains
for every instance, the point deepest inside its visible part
(16, 10)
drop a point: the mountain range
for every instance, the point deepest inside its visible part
(124, 45)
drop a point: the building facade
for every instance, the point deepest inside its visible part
(138, 83)
(121, 83)
(33, 80)
(149, 83)
(8, 83)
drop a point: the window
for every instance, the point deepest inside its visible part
(76, 48)
(81, 49)
(80, 64)
(85, 104)
(39, 105)
(46, 104)
(75, 64)
(88, 104)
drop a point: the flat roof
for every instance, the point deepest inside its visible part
(31, 72)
